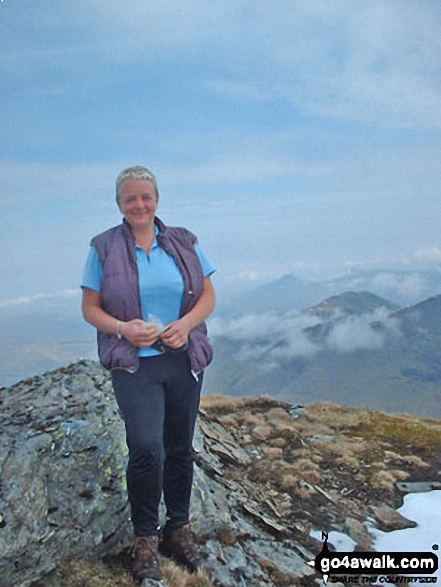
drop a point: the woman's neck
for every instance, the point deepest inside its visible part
(142, 231)
(144, 236)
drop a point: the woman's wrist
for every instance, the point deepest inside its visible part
(120, 328)
(187, 322)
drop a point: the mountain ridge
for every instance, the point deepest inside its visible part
(402, 286)
(354, 348)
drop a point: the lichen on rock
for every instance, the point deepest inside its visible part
(266, 475)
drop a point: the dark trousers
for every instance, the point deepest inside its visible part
(159, 404)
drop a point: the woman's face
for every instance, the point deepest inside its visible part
(138, 202)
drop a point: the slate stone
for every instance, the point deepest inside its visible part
(63, 490)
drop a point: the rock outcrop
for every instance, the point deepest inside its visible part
(267, 474)
(62, 472)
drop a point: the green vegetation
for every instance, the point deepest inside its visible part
(423, 436)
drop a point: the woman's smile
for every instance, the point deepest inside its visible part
(138, 201)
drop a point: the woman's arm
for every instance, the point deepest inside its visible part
(134, 331)
(175, 334)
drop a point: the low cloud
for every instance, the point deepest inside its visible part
(40, 299)
(429, 255)
(266, 327)
(267, 339)
(365, 332)
(271, 340)
(410, 286)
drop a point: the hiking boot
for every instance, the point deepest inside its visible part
(180, 545)
(144, 555)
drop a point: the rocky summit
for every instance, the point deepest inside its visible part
(267, 474)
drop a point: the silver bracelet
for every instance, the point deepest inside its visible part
(118, 329)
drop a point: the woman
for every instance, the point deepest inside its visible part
(140, 276)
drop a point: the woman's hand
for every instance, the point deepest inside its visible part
(139, 333)
(175, 334)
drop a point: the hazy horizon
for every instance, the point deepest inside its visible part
(44, 332)
(293, 137)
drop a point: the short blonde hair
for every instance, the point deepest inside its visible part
(137, 172)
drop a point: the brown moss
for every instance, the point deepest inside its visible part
(311, 476)
(289, 482)
(279, 579)
(223, 404)
(347, 462)
(402, 430)
(279, 442)
(303, 493)
(416, 461)
(226, 536)
(382, 480)
(86, 573)
(335, 416)
(89, 573)
(250, 420)
(229, 420)
(272, 452)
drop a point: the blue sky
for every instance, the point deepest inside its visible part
(292, 136)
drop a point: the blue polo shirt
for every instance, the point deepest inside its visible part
(160, 282)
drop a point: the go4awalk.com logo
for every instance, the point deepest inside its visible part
(363, 568)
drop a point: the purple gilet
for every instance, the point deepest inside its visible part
(121, 299)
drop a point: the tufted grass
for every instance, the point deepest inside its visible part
(90, 573)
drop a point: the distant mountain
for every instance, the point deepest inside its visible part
(355, 348)
(424, 315)
(289, 292)
(351, 303)
(280, 295)
(42, 336)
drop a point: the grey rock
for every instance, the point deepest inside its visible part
(359, 533)
(236, 566)
(272, 554)
(389, 519)
(418, 486)
(210, 508)
(295, 411)
(63, 490)
(220, 442)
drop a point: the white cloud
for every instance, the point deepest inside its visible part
(365, 332)
(266, 326)
(38, 299)
(408, 286)
(268, 339)
(340, 186)
(371, 62)
(271, 340)
(375, 63)
(429, 255)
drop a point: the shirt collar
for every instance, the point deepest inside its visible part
(154, 241)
